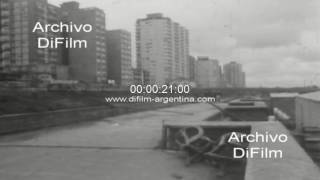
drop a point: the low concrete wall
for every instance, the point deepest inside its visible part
(32, 121)
(295, 164)
(256, 114)
(307, 113)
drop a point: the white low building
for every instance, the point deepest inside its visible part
(308, 111)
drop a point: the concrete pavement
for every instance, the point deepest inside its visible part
(116, 148)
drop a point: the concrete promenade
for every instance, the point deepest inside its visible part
(116, 148)
(126, 148)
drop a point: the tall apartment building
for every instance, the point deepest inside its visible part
(234, 75)
(162, 49)
(181, 52)
(5, 44)
(19, 49)
(138, 74)
(87, 64)
(119, 57)
(20, 53)
(191, 67)
(207, 73)
(243, 79)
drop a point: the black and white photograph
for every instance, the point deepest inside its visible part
(159, 89)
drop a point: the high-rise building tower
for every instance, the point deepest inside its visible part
(19, 48)
(191, 67)
(181, 52)
(119, 57)
(233, 75)
(20, 52)
(162, 49)
(87, 64)
(5, 38)
(207, 73)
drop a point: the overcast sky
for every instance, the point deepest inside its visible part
(277, 41)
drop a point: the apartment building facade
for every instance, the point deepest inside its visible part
(86, 64)
(19, 50)
(191, 67)
(20, 54)
(119, 57)
(234, 75)
(207, 73)
(162, 49)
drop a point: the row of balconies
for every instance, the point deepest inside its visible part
(5, 54)
(5, 46)
(4, 38)
(4, 4)
(5, 13)
(5, 21)
(4, 30)
(4, 9)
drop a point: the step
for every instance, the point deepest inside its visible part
(315, 156)
(312, 147)
(311, 130)
(312, 139)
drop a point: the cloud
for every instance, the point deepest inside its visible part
(268, 35)
(276, 66)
